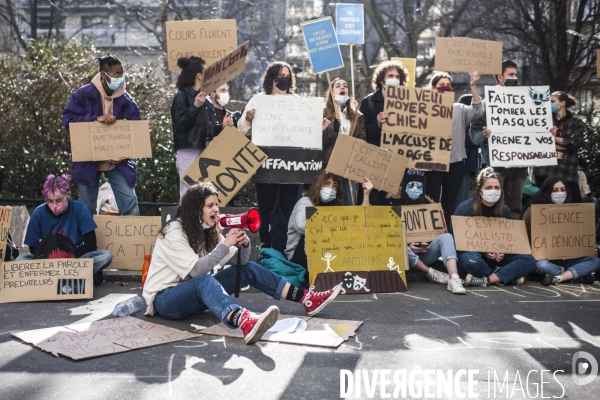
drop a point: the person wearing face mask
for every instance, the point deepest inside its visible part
(179, 283)
(443, 187)
(278, 80)
(485, 269)
(386, 73)
(219, 99)
(421, 254)
(326, 190)
(349, 121)
(61, 214)
(555, 190)
(568, 137)
(194, 119)
(106, 101)
(514, 178)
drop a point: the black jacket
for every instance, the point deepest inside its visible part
(371, 106)
(192, 126)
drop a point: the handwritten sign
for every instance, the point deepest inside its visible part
(522, 109)
(562, 231)
(288, 121)
(423, 222)
(350, 23)
(210, 40)
(289, 165)
(353, 239)
(225, 69)
(411, 66)
(522, 150)
(415, 110)
(101, 338)
(322, 45)
(427, 153)
(490, 235)
(127, 238)
(228, 162)
(356, 159)
(18, 225)
(40, 280)
(95, 141)
(461, 54)
(5, 218)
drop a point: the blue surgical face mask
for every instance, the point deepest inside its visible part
(327, 195)
(554, 108)
(115, 83)
(414, 192)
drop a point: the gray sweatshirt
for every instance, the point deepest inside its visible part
(297, 226)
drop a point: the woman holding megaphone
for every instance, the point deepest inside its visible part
(180, 284)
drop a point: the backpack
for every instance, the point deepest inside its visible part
(55, 245)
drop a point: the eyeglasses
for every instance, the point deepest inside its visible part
(411, 185)
(415, 172)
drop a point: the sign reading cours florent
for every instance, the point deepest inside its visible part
(563, 231)
(210, 40)
(461, 54)
(490, 235)
(95, 141)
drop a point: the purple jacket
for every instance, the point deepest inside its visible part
(85, 105)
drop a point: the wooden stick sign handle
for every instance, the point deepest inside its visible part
(332, 96)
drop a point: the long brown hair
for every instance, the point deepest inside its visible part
(329, 111)
(189, 215)
(270, 75)
(314, 191)
(484, 175)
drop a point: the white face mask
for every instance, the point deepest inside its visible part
(392, 82)
(558, 197)
(223, 99)
(491, 196)
(342, 99)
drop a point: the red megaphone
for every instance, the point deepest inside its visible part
(249, 220)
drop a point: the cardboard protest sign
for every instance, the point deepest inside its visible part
(420, 111)
(490, 235)
(288, 121)
(518, 109)
(210, 40)
(41, 280)
(127, 238)
(461, 54)
(322, 45)
(319, 332)
(522, 150)
(563, 231)
(427, 153)
(289, 165)
(101, 338)
(18, 225)
(228, 162)
(350, 23)
(95, 141)
(356, 159)
(423, 222)
(225, 69)
(5, 218)
(356, 242)
(411, 65)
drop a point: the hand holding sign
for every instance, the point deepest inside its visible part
(200, 99)
(108, 119)
(474, 77)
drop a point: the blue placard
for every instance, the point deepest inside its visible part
(350, 23)
(322, 45)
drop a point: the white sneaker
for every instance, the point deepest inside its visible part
(436, 276)
(455, 286)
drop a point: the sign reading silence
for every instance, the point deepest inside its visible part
(322, 45)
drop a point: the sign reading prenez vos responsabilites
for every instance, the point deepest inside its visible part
(322, 45)
(519, 119)
(350, 23)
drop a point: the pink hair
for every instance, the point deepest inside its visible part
(56, 186)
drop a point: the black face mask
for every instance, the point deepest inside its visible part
(284, 83)
(511, 82)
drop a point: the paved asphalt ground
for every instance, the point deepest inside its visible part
(510, 333)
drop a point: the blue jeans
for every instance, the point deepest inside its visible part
(211, 292)
(102, 259)
(124, 194)
(579, 267)
(514, 266)
(441, 246)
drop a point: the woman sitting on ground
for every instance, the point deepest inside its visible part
(555, 190)
(189, 246)
(486, 269)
